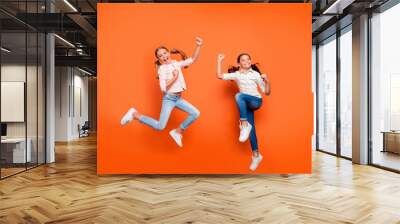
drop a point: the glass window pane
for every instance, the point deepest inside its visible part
(385, 88)
(14, 153)
(327, 96)
(314, 77)
(22, 89)
(32, 95)
(346, 94)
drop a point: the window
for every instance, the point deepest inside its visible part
(346, 93)
(22, 88)
(385, 89)
(327, 95)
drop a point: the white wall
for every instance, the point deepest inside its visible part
(12, 73)
(61, 103)
(80, 84)
(71, 93)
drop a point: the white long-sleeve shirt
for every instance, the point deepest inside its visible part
(247, 81)
(165, 72)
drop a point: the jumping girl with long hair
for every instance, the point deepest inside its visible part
(172, 84)
(248, 100)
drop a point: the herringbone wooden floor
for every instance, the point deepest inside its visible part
(69, 191)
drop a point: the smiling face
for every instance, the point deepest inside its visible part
(244, 61)
(163, 55)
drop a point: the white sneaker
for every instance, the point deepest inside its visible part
(177, 137)
(255, 161)
(128, 117)
(244, 132)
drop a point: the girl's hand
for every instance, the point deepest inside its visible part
(220, 57)
(169, 83)
(264, 77)
(175, 73)
(199, 41)
(267, 84)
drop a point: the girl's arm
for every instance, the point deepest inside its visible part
(196, 53)
(165, 84)
(157, 68)
(267, 84)
(174, 78)
(220, 58)
(188, 61)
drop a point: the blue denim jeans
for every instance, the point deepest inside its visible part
(169, 102)
(247, 104)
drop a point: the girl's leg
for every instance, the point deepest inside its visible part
(253, 135)
(166, 108)
(242, 106)
(245, 128)
(256, 157)
(128, 116)
(253, 104)
(193, 112)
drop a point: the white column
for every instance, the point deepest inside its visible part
(50, 110)
(360, 90)
(50, 92)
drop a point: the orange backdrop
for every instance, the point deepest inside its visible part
(278, 36)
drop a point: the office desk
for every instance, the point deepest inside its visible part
(391, 141)
(13, 150)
